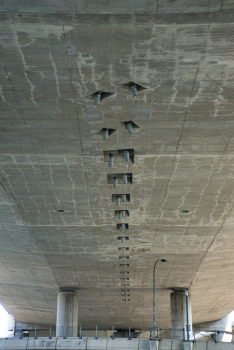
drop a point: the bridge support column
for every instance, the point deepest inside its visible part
(179, 315)
(67, 313)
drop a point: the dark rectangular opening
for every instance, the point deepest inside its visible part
(119, 226)
(117, 212)
(120, 196)
(123, 249)
(120, 178)
(119, 155)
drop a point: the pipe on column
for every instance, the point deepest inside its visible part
(181, 314)
(187, 314)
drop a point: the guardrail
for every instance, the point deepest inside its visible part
(50, 332)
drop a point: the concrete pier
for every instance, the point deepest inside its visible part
(67, 314)
(178, 315)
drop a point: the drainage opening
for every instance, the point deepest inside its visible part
(122, 227)
(123, 239)
(118, 156)
(121, 214)
(129, 125)
(131, 86)
(120, 198)
(116, 179)
(99, 96)
(106, 132)
(123, 249)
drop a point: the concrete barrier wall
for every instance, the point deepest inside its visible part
(108, 344)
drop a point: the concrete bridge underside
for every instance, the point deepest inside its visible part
(58, 212)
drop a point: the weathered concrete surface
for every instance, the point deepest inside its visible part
(109, 344)
(119, 7)
(67, 314)
(51, 159)
(179, 316)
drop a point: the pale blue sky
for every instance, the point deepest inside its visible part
(3, 321)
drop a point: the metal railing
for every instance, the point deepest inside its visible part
(161, 333)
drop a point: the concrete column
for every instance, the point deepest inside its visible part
(67, 314)
(11, 326)
(179, 316)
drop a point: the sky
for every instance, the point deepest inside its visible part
(3, 322)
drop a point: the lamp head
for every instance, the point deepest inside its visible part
(163, 260)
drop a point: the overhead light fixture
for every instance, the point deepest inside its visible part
(124, 273)
(123, 239)
(111, 160)
(124, 178)
(99, 95)
(124, 258)
(121, 214)
(129, 127)
(119, 198)
(115, 182)
(122, 227)
(106, 134)
(126, 156)
(97, 98)
(134, 89)
(132, 86)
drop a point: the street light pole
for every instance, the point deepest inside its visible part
(162, 260)
(187, 314)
